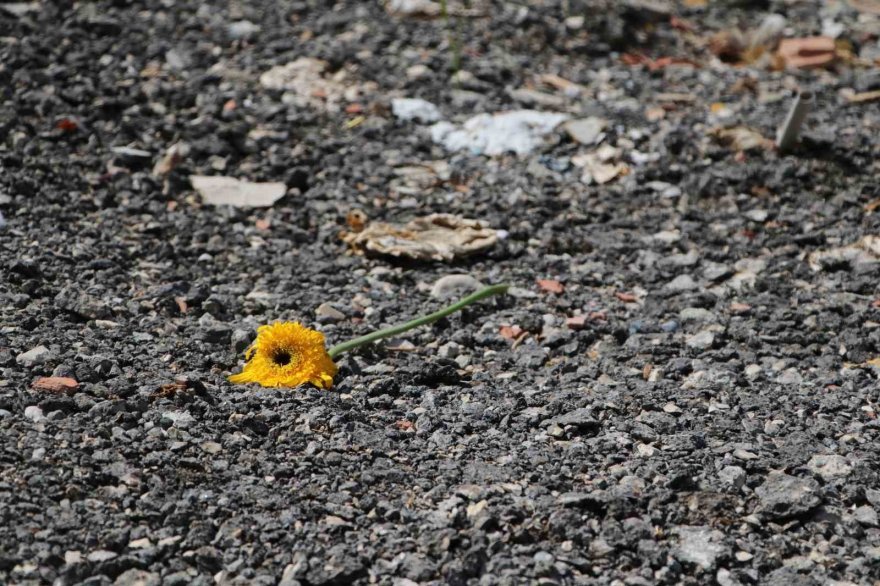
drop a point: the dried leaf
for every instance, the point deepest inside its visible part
(67, 125)
(234, 192)
(551, 286)
(356, 220)
(180, 385)
(741, 138)
(435, 237)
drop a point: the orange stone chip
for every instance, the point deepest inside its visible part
(55, 384)
(510, 332)
(577, 322)
(551, 286)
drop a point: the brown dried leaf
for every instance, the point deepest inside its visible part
(741, 138)
(435, 237)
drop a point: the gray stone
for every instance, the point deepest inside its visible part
(866, 515)
(329, 313)
(34, 357)
(733, 476)
(240, 339)
(135, 577)
(784, 496)
(696, 314)
(681, 283)
(716, 272)
(790, 376)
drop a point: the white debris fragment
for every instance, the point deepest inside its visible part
(601, 165)
(415, 109)
(234, 192)
(517, 131)
(308, 82)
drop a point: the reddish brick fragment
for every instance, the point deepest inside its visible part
(55, 384)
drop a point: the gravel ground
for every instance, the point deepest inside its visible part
(688, 398)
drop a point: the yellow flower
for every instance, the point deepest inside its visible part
(287, 354)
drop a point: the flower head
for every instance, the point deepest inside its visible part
(287, 354)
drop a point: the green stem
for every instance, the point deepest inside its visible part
(420, 321)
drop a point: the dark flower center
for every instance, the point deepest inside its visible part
(281, 357)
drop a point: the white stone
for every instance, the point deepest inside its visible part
(516, 131)
(829, 466)
(415, 109)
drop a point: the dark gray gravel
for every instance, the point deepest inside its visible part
(711, 417)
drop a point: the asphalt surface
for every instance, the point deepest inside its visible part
(681, 387)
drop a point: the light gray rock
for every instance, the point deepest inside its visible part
(329, 313)
(101, 555)
(414, 109)
(733, 476)
(34, 413)
(180, 419)
(866, 515)
(700, 545)
(242, 29)
(829, 466)
(681, 283)
(452, 286)
(588, 131)
(701, 340)
(696, 314)
(34, 357)
(135, 577)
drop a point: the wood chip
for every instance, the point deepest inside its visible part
(861, 97)
(807, 52)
